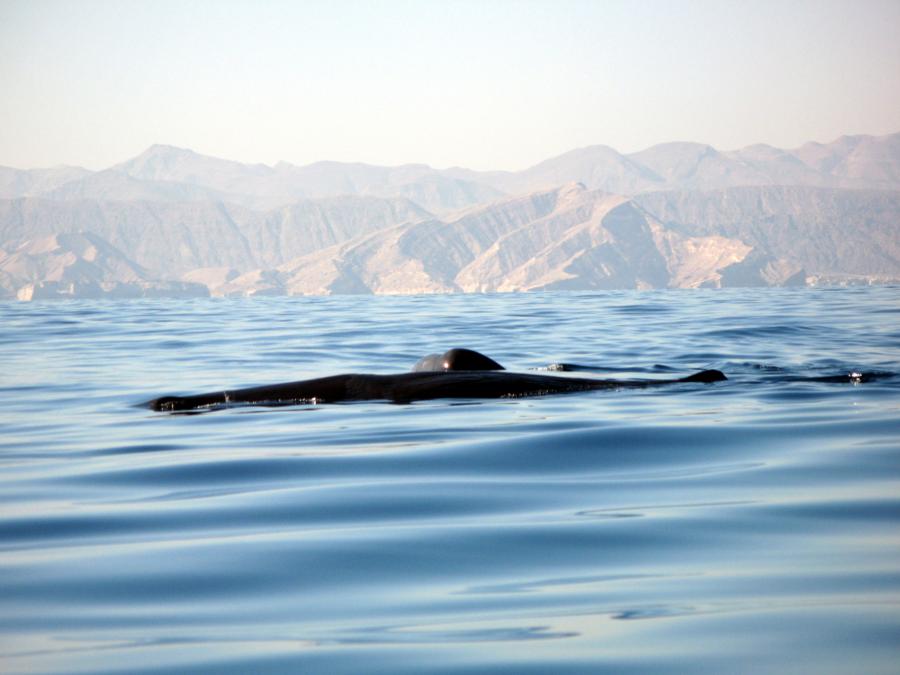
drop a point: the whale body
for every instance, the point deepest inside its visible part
(457, 373)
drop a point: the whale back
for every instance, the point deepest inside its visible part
(456, 359)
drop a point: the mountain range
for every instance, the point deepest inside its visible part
(173, 222)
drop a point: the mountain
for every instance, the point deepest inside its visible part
(172, 238)
(261, 186)
(178, 174)
(673, 215)
(695, 166)
(582, 239)
(827, 231)
(774, 166)
(598, 167)
(567, 238)
(420, 257)
(80, 265)
(169, 163)
(112, 185)
(857, 162)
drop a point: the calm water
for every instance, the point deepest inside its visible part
(747, 526)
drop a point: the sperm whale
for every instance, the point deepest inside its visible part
(457, 373)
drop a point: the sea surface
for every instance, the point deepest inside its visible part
(747, 526)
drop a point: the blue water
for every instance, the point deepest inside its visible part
(747, 526)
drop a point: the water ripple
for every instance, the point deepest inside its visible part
(687, 529)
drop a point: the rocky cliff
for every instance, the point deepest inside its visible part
(675, 215)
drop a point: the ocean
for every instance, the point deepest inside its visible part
(749, 526)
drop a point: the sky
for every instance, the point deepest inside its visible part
(485, 84)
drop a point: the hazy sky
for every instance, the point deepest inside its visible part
(480, 84)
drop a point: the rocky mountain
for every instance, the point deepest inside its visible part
(568, 238)
(172, 238)
(826, 231)
(674, 215)
(81, 265)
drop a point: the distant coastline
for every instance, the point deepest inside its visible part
(174, 223)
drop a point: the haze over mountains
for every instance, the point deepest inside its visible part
(174, 222)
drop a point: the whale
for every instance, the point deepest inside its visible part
(455, 374)
(457, 358)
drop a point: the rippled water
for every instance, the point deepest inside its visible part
(744, 526)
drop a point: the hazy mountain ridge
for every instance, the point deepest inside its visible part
(570, 238)
(756, 216)
(853, 162)
(584, 240)
(827, 232)
(856, 162)
(31, 182)
(263, 187)
(112, 185)
(81, 265)
(172, 238)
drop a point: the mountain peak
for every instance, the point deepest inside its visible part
(149, 163)
(679, 147)
(161, 150)
(162, 162)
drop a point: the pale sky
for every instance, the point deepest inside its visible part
(482, 84)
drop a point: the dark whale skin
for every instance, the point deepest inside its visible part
(457, 358)
(415, 386)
